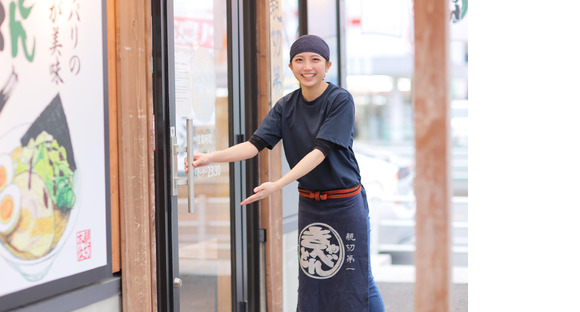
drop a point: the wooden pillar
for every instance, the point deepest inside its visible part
(113, 142)
(432, 152)
(270, 165)
(134, 111)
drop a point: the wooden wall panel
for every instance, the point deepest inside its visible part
(432, 152)
(148, 76)
(270, 166)
(136, 182)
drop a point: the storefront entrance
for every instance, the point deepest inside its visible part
(202, 241)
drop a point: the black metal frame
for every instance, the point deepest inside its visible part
(166, 227)
(236, 117)
(252, 165)
(302, 17)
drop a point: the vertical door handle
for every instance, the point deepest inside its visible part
(177, 181)
(190, 185)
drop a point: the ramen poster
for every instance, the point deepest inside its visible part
(53, 189)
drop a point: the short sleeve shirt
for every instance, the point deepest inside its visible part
(299, 123)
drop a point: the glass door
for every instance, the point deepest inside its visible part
(201, 94)
(201, 236)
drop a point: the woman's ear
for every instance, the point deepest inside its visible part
(328, 64)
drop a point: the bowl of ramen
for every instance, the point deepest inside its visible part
(37, 200)
(35, 205)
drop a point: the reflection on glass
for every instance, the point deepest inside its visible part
(201, 93)
(289, 35)
(290, 197)
(379, 75)
(322, 22)
(380, 78)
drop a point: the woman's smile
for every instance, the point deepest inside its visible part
(310, 68)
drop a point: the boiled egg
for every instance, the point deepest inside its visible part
(6, 171)
(9, 209)
(35, 230)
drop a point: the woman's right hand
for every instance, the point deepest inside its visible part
(199, 160)
(237, 152)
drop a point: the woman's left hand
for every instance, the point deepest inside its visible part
(260, 192)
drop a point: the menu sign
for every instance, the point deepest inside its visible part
(53, 145)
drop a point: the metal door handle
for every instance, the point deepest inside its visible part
(175, 180)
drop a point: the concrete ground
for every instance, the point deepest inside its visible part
(396, 285)
(399, 297)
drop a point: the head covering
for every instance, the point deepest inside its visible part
(310, 43)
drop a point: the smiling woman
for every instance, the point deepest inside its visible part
(310, 69)
(309, 62)
(316, 126)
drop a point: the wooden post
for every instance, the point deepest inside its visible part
(113, 142)
(135, 106)
(432, 150)
(270, 163)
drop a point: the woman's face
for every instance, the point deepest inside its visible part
(309, 68)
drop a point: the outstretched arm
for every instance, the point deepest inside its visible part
(237, 152)
(304, 166)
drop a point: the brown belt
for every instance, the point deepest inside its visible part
(324, 195)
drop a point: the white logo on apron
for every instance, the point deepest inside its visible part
(321, 251)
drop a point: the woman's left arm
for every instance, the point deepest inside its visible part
(304, 166)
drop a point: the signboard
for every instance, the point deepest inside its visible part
(276, 70)
(54, 195)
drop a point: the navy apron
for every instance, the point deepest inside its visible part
(333, 255)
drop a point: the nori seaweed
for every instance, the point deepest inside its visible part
(53, 121)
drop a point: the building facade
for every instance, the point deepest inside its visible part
(123, 92)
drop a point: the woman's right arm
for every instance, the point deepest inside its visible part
(237, 152)
(270, 127)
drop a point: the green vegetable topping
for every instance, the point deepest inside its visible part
(47, 158)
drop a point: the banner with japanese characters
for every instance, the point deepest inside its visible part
(276, 37)
(53, 142)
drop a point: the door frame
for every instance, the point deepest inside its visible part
(244, 220)
(163, 118)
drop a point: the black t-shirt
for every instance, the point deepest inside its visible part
(299, 123)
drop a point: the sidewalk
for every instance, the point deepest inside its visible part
(399, 297)
(384, 272)
(396, 285)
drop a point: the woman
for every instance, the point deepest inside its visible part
(316, 125)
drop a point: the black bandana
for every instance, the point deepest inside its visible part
(310, 43)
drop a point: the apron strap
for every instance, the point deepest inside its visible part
(333, 194)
